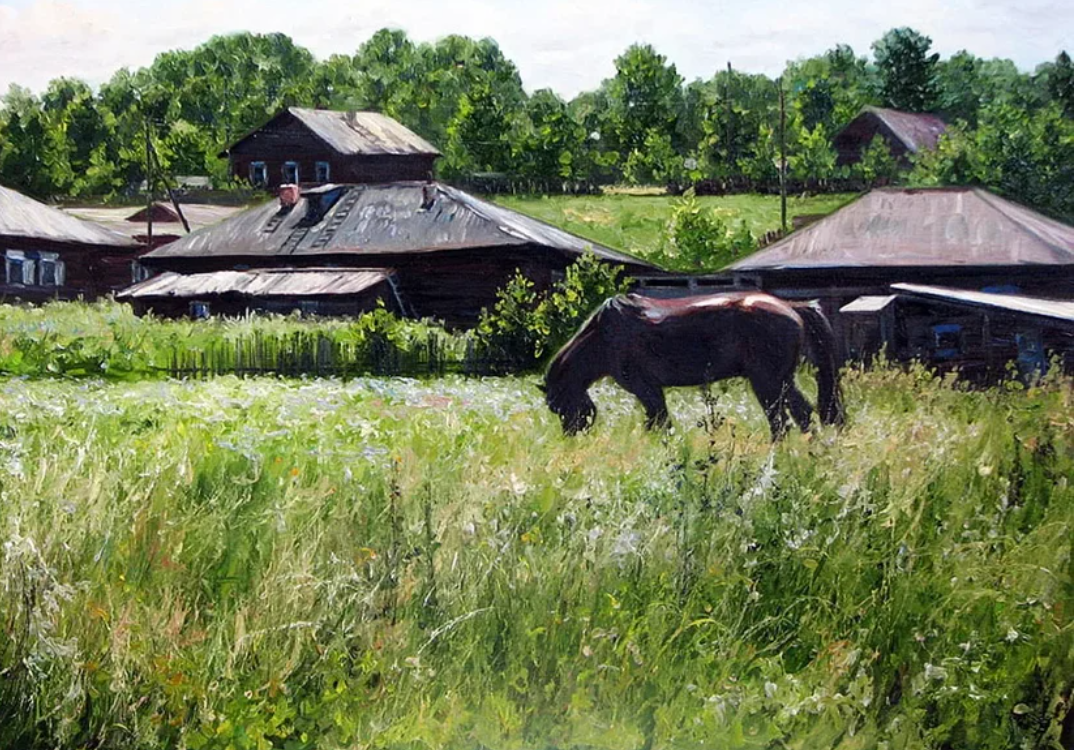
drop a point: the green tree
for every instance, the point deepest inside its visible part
(813, 158)
(551, 143)
(1061, 83)
(644, 96)
(877, 165)
(907, 72)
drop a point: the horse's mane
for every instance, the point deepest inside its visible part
(581, 343)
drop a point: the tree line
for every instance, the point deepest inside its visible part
(1011, 130)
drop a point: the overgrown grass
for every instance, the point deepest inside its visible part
(106, 339)
(637, 223)
(388, 563)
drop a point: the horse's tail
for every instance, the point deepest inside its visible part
(821, 346)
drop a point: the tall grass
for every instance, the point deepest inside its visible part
(106, 339)
(391, 563)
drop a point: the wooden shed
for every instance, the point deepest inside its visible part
(319, 146)
(449, 251)
(49, 254)
(982, 334)
(905, 133)
(962, 238)
(311, 291)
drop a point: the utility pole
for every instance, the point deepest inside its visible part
(730, 113)
(148, 187)
(782, 157)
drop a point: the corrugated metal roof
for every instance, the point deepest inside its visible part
(922, 227)
(352, 133)
(918, 132)
(399, 217)
(1061, 310)
(198, 215)
(267, 282)
(365, 133)
(24, 217)
(868, 303)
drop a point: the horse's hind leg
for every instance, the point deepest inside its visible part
(800, 408)
(772, 395)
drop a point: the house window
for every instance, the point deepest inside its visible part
(50, 270)
(947, 340)
(290, 172)
(324, 171)
(199, 310)
(139, 272)
(258, 173)
(30, 268)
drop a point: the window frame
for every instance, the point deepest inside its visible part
(327, 167)
(31, 265)
(259, 169)
(284, 173)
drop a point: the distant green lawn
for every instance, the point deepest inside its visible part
(636, 223)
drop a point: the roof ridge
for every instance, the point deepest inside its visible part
(1000, 205)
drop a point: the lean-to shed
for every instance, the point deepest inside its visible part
(49, 254)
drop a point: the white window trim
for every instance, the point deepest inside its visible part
(258, 168)
(283, 172)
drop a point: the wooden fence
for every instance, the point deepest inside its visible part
(321, 355)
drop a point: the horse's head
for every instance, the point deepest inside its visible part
(576, 411)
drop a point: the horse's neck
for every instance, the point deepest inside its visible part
(585, 364)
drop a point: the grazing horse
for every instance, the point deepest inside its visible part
(648, 344)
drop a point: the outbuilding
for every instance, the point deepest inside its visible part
(320, 146)
(448, 252)
(905, 133)
(49, 254)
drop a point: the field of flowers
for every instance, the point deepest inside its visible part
(423, 564)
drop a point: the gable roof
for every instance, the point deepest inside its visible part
(353, 133)
(24, 217)
(390, 218)
(917, 132)
(922, 227)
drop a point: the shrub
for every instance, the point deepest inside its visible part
(697, 239)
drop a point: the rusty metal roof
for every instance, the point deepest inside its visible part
(24, 217)
(1060, 310)
(922, 227)
(918, 132)
(354, 133)
(390, 218)
(263, 282)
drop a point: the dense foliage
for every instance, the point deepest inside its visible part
(525, 325)
(643, 125)
(399, 564)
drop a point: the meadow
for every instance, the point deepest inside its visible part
(398, 563)
(637, 224)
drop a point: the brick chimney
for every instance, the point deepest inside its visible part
(289, 195)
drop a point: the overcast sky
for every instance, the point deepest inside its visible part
(568, 45)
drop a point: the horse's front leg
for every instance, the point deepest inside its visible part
(652, 400)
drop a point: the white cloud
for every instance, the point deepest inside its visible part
(568, 45)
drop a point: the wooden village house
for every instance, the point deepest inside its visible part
(49, 254)
(953, 276)
(905, 133)
(317, 147)
(424, 248)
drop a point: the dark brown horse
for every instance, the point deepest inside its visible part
(648, 344)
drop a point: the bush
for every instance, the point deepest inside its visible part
(697, 239)
(524, 326)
